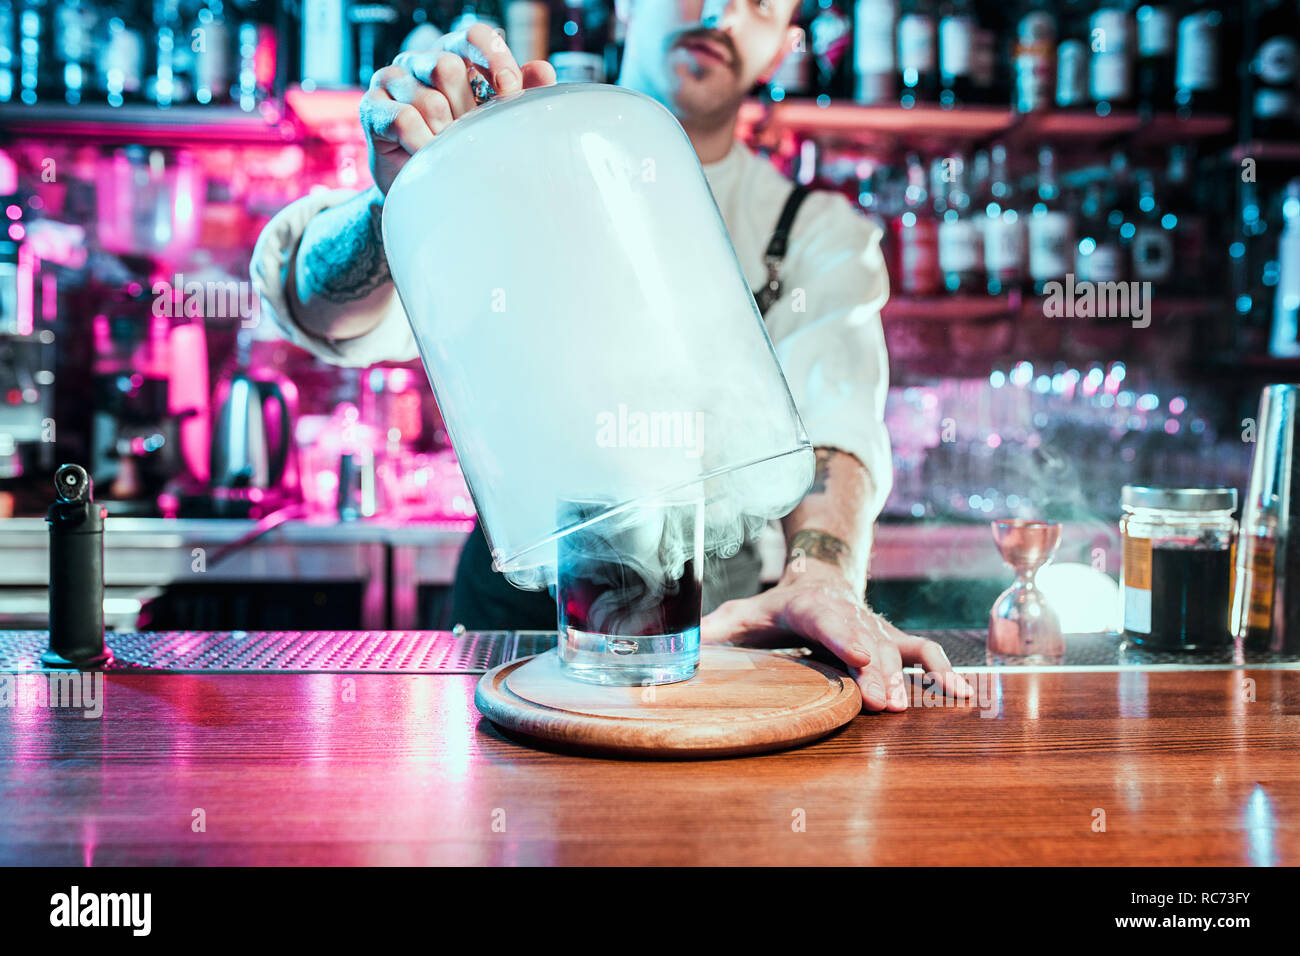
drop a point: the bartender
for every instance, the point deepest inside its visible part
(813, 262)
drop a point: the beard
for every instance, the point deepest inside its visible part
(703, 92)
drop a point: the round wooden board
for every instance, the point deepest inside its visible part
(741, 701)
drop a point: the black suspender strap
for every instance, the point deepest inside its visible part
(776, 248)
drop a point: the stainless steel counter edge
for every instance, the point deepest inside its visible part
(900, 551)
(170, 532)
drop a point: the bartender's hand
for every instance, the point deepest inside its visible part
(423, 92)
(819, 603)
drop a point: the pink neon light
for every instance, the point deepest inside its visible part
(26, 294)
(49, 296)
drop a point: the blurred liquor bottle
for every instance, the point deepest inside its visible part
(1110, 71)
(1284, 336)
(1274, 71)
(615, 41)
(1267, 273)
(1050, 227)
(1072, 56)
(326, 58)
(374, 38)
(830, 35)
(1122, 215)
(211, 43)
(874, 58)
(1190, 222)
(479, 11)
(1005, 238)
(961, 245)
(1199, 85)
(1253, 279)
(882, 196)
(256, 55)
(33, 52)
(422, 26)
(74, 25)
(171, 56)
(528, 29)
(918, 53)
(1034, 58)
(989, 76)
(577, 53)
(1156, 31)
(8, 51)
(917, 235)
(958, 31)
(120, 56)
(1099, 257)
(977, 183)
(1153, 249)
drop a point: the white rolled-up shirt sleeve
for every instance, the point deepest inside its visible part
(390, 341)
(833, 352)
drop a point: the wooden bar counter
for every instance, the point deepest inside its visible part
(1127, 765)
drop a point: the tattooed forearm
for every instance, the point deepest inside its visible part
(832, 524)
(345, 260)
(823, 471)
(818, 545)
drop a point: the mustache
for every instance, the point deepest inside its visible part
(722, 39)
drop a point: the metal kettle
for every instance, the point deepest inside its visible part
(252, 434)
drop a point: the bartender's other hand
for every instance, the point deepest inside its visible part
(423, 92)
(822, 606)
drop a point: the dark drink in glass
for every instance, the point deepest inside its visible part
(628, 590)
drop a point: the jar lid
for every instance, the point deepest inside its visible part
(1180, 499)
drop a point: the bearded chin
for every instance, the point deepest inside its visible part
(704, 100)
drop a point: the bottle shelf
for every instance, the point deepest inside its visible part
(1075, 124)
(1266, 363)
(982, 308)
(851, 121)
(1170, 128)
(949, 308)
(148, 125)
(331, 115)
(1282, 152)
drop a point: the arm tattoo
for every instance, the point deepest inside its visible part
(818, 545)
(351, 263)
(823, 471)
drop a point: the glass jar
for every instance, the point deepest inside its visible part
(1177, 570)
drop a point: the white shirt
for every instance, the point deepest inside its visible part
(825, 327)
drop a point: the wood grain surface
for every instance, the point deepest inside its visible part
(741, 701)
(1188, 767)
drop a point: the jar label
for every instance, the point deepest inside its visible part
(1136, 574)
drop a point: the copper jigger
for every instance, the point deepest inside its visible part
(1023, 629)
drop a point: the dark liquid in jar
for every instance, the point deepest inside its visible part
(1191, 597)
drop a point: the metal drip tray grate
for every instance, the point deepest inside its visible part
(475, 652)
(397, 652)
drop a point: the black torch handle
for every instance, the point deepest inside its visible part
(76, 574)
(77, 596)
